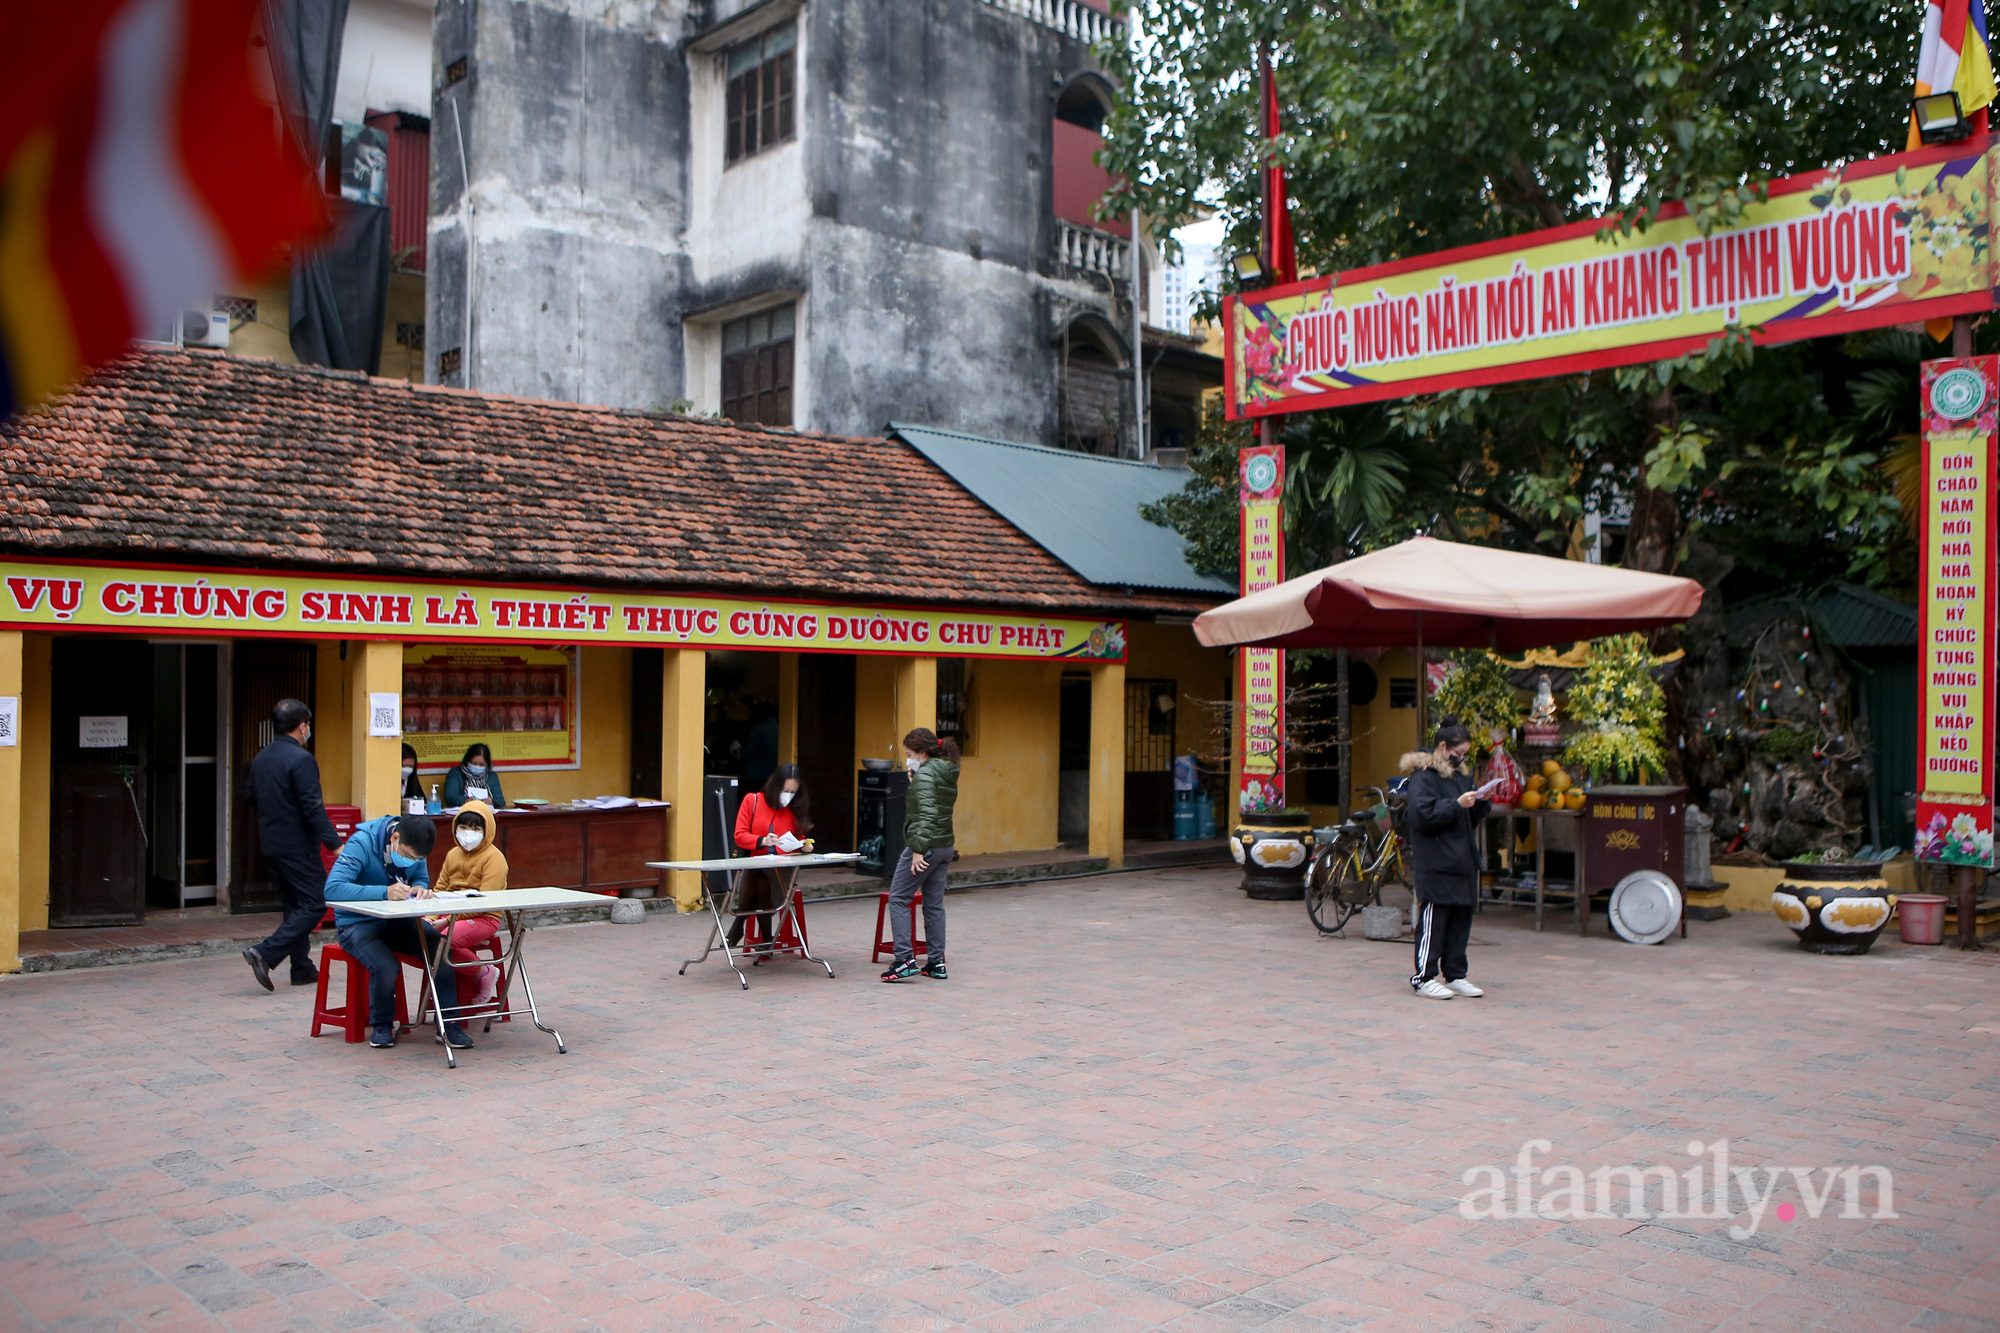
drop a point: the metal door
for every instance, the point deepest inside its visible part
(102, 713)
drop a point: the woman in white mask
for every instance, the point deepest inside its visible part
(474, 780)
(770, 822)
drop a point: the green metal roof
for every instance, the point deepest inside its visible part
(1849, 616)
(1083, 509)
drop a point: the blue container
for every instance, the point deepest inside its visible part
(1204, 815)
(1186, 821)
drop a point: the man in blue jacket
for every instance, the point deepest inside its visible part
(385, 860)
(283, 783)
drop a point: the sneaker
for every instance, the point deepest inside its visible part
(903, 972)
(1435, 990)
(935, 971)
(382, 1037)
(1463, 987)
(306, 977)
(259, 968)
(458, 1038)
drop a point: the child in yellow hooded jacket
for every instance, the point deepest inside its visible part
(474, 863)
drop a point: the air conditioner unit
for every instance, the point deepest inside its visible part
(204, 328)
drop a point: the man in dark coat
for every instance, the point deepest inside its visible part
(292, 826)
(1444, 814)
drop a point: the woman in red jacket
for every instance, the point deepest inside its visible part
(762, 822)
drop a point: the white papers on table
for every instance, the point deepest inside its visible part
(602, 803)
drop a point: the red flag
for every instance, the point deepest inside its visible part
(1279, 250)
(140, 173)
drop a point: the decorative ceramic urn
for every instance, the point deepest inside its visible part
(1838, 908)
(1273, 847)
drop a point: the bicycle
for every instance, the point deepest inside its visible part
(1348, 872)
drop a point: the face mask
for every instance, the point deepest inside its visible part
(470, 838)
(403, 862)
(475, 769)
(409, 769)
(913, 763)
(784, 798)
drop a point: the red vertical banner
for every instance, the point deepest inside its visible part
(1260, 672)
(1961, 417)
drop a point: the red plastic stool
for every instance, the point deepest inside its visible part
(791, 936)
(352, 1016)
(886, 942)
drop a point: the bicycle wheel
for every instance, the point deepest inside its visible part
(1333, 887)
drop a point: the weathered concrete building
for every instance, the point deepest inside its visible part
(816, 213)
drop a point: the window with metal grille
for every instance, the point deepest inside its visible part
(757, 367)
(761, 79)
(1149, 725)
(954, 701)
(1402, 691)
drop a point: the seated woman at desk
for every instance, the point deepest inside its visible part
(474, 779)
(762, 823)
(475, 863)
(413, 790)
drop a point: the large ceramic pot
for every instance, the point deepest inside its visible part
(1834, 908)
(1273, 848)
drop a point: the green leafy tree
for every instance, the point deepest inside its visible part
(1476, 690)
(1416, 125)
(1620, 709)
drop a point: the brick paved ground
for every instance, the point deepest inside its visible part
(1142, 1102)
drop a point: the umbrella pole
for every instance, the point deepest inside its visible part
(1423, 686)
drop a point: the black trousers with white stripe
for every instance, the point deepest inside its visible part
(1442, 932)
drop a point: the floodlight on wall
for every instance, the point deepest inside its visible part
(1939, 119)
(1249, 270)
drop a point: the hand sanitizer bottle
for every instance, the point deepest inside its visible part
(432, 806)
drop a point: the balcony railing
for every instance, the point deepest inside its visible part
(1067, 17)
(1092, 251)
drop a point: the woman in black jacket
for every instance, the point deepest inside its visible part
(1444, 813)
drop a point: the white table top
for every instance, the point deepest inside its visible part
(800, 862)
(508, 900)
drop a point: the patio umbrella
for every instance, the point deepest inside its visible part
(1425, 591)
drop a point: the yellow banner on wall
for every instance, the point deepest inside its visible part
(150, 599)
(1894, 240)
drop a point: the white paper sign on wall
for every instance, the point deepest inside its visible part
(103, 733)
(10, 720)
(385, 715)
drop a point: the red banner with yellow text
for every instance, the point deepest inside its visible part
(1889, 241)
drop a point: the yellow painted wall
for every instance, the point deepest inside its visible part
(1007, 789)
(332, 687)
(606, 713)
(875, 734)
(37, 777)
(269, 335)
(1383, 735)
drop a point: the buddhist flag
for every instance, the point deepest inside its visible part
(140, 173)
(1955, 58)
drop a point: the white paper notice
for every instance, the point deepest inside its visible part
(10, 720)
(385, 715)
(788, 843)
(102, 733)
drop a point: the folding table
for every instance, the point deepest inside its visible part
(783, 916)
(514, 905)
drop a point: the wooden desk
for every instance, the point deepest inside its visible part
(596, 851)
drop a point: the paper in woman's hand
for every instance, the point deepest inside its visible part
(788, 842)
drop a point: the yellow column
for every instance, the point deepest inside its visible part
(916, 697)
(788, 708)
(1107, 762)
(375, 780)
(38, 777)
(683, 695)
(10, 806)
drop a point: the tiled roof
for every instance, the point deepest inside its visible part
(211, 458)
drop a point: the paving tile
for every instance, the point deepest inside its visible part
(1184, 1142)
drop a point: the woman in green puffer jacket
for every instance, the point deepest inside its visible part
(927, 849)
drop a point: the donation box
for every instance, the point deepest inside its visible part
(1634, 828)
